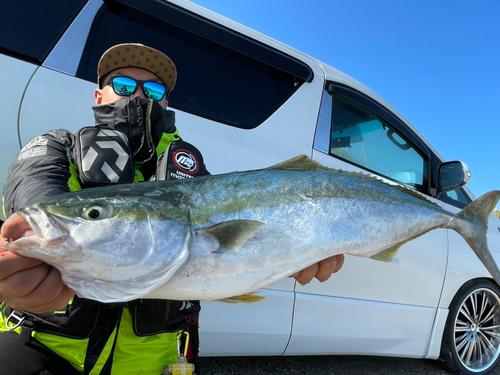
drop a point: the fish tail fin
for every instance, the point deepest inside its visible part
(472, 224)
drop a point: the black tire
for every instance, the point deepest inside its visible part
(471, 338)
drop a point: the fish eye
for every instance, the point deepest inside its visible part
(92, 213)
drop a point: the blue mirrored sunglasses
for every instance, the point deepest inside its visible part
(126, 86)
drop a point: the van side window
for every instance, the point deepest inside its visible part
(457, 198)
(361, 137)
(31, 29)
(222, 75)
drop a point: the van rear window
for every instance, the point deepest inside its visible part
(222, 76)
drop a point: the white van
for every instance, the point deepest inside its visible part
(247, 102)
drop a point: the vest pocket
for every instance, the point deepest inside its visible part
(151, 317)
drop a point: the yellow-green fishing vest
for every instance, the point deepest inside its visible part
(136, 337)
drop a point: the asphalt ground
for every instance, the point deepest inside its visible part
(319, 365)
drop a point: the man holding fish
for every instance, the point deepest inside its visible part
(51, 329)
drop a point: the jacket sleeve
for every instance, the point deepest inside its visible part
(41, 170)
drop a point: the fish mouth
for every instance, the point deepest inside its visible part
(46, 230)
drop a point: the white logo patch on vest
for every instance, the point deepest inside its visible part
(120, 162)
(185, 305)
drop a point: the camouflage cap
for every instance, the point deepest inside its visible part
(138, 56)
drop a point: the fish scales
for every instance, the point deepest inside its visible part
(333, 225)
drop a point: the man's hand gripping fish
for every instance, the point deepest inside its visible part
(221, 236)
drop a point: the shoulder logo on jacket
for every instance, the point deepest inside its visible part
(35, 147)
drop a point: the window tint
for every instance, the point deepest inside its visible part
(221, 76)
(363, 138)
(457, 198)
(30, 29)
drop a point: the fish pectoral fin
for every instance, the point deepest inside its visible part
(388, 255)
(245, 298)
(233, 234)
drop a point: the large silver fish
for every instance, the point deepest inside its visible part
(227, 235)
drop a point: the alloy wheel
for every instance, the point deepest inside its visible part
(477, 330)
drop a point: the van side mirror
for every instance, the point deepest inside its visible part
(452, 175)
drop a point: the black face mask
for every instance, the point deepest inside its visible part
(142, 121)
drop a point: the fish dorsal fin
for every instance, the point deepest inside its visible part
(300, 163)
(387, 255)
(245, 298)
(305, 163)
(233, 234)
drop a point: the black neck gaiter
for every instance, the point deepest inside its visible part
(142, 121)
